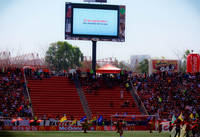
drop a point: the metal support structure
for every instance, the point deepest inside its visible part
(94, 52)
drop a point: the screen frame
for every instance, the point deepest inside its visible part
(95, 6)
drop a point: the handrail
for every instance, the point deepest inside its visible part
(139, 99)
(83, 98)
(29, 98)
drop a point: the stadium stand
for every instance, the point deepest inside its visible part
(166, 94)
(55, 96)
(105, 99)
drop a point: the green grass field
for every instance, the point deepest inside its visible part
(80, 134)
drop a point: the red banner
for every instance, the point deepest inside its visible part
(45, 128)
(70, 128)
(193, 62)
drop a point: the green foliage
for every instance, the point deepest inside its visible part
(143, 66)
(62, 56)
(186, 53)
(123, 65)
(183, 64)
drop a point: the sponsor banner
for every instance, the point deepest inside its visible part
(128, 128)
(46, 128)
(193, 63)
(164, 65)
(24, 128)
(7, 128)
(165, 125)
(71, 128)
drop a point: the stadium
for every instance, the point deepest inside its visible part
(67, 94)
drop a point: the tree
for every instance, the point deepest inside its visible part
(182, 57)
(183, 62)
(62, 56)
(143, 66)
(122, 64)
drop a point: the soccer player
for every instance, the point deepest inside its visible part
(151, 124)
(170, 127)
(117, 126)
(85, 126)
(187, 129)
(178, 127)
(121, 128)
(159, 126)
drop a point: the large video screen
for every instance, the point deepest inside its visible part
(95, 21)
(99, 22)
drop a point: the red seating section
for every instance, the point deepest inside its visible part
(99, 102)
(55, 96)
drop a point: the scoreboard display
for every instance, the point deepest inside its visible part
(95, 21)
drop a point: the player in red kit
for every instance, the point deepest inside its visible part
(120, 128)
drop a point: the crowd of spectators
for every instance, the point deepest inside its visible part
(36, 73)
(163, 94)
(94, 82)
(166, 94)
(13, 96)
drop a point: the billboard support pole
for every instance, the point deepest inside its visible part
(94, 53)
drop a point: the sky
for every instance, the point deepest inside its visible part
(159, 28)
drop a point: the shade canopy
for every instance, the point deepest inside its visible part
(108, 69)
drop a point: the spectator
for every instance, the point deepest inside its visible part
(121, 93)
(13, 101)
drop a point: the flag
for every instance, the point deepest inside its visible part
(74, 122)
(149, 118)
(191, 116)
(197, 115)
(93, 119)
(82, 119)
(160, 99)
(173, 119)
(100, 119)
(63, 119)
(181, 117)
